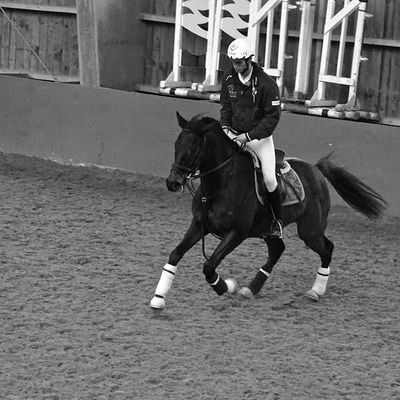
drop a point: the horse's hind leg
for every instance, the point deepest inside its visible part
(324, 247)
(275, 249)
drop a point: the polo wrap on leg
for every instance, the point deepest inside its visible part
(321, 281)
(258, 281)
(166, 279)
(218, 284)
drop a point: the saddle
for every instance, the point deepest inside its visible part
(289, 183)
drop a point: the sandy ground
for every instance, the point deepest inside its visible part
(82, 251)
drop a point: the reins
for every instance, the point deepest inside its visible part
(192, 190)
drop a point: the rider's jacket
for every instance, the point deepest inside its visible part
(253, 107)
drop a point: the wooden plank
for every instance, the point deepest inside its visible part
(88, 47)
(12, 44)
(19, 41)
(74, 56)
(146, 17)
(394, 85)
(66, 47)
(36, 7)
(3, 24)
(35, 43)
(43, 40)
(55, 50)
(6, 37)
(36, 75)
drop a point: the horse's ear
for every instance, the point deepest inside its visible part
(181, 121)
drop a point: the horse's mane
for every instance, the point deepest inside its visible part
(201, 124)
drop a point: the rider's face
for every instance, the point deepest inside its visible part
(240, 66)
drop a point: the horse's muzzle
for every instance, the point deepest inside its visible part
(174, 181)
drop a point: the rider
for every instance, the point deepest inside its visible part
(250, 112)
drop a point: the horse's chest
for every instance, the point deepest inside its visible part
(220, 217)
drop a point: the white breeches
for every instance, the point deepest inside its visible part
(265, 151)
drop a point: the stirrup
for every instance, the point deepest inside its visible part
(276, 229)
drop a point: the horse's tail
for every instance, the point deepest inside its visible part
(353, 191)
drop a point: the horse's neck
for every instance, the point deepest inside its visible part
(218, 150)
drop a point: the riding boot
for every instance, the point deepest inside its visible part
(275, 201)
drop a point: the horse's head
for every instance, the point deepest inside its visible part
(189, 149)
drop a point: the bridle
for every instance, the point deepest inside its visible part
(191, 173)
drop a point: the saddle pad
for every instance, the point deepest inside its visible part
(294, 188)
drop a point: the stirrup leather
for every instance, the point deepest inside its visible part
(276, 228)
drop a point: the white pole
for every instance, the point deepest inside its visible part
(210, 36)
(308, 45)
(326, 45)
(268, 39)
(305, 48)
(216, 44)
(357, 49)
(253, 31)
(177, 41)
(282, 44)
(342, 43)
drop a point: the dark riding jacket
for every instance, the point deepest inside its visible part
(253, 107)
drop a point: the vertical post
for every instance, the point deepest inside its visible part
(305, 49)
(216, 44)
(319, 96)
(212, 23)
(87, 43)
(253, 32)
(342, 43)
(268, 39)
(177, 42)
(282, 44)
(357, 49)
(326, 46)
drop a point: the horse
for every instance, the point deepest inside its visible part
(225, 204)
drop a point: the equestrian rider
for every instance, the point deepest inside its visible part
(250, 112)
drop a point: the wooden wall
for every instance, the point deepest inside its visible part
(50, 28)
(379, 81)
(91, 42)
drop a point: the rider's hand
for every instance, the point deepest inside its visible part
(226, 129)
(241, 139)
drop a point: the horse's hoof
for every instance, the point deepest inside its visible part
(232, 286)
(245, 293)
(157, 303)
(313, 295)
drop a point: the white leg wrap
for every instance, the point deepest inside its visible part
(321, 281)
(163, 286)
(166, 279)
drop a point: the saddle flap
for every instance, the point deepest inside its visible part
(279, 158)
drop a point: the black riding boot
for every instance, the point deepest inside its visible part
(275, 201)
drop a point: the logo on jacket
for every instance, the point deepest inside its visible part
(233, 92)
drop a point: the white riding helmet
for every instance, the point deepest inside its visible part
(240, 49)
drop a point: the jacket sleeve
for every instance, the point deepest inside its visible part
(271, 106)
(226, 107)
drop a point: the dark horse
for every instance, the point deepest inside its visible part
(226, 205)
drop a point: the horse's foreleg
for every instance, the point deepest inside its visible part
(226, 246)
(275, 249)
(192, 236)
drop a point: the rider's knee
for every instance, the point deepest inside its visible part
(271, 184)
